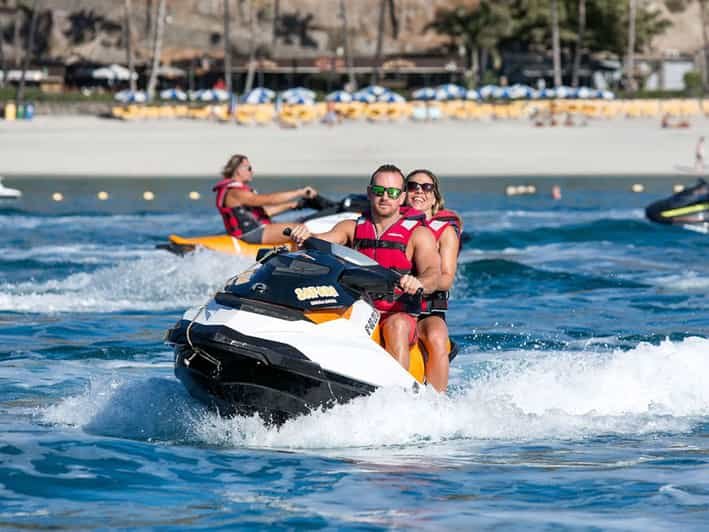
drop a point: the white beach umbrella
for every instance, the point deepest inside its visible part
(375, 90)
(487, 91)
(173, 94)
(472, 94)
(364, 97)
(113, 72)
(259, 95)
(521, 92)
(450, 91)
(426, 93)
(339, 96)
(606, 95)
(501, 93)
(547, 93)
(584, 92)
(391, 97)
(298, 99)
(298, 92)
(127, 96)
(565, 92)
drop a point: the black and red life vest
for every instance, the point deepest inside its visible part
(241, 219)
(438, 223)
(441, 220)
(389, 248)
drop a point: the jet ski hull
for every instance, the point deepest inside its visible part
(240, 375)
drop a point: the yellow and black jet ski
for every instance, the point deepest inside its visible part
(689, 208)
(327, 215)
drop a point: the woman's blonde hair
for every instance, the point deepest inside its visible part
(232, 164)
(440, 202)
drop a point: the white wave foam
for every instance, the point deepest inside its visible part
(686, 282)
(528, 396)
(154, 282)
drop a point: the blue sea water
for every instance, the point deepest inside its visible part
(580, 399)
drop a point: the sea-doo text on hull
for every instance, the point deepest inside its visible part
(689, 208)
(293, 333)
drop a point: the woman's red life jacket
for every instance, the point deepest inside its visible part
(439, 222)
(442, 219)
(241, 219)
(389, 249)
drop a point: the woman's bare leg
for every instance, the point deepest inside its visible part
(433, 332)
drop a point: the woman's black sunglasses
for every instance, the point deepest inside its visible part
(412, 186)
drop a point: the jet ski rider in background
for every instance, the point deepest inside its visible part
(246, 213)
(423, 193)
(398, 239)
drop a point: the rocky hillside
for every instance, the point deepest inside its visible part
(92, 30)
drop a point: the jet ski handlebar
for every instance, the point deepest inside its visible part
(322, 245)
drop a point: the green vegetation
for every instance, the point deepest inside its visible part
(526, 25)
(34, 94)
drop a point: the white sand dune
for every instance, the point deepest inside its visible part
(85, 146)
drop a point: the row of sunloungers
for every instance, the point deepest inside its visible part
(263, 114)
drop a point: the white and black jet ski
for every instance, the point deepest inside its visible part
(295, 332)
(689, 208)
(7, 193)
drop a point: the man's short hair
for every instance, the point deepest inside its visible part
(387, 168)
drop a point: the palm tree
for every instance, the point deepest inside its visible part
(479, 29)
(383, 4)
(157, 47)
(630, 56)
(348, 51)
(129, 43)
(20, 94)
(227, 48)
(252, 49)
(579, 43)
(555, 46)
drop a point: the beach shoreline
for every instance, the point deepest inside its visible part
(80, 146)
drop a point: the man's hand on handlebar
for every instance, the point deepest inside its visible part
(410, 284)
(299, 234)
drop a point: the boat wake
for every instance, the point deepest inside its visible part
(517, 396)
(154, 281)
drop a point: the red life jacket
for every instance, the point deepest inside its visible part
(438, 300)
(442, 219)
(389, 249)
(241, 219)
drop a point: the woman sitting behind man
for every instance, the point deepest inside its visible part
(246, 213)
(423, 193)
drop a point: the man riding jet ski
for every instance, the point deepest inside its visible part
(689, 208)
(296, 332)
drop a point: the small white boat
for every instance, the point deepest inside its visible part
(9, 193)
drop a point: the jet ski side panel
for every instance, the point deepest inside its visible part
(689, 207)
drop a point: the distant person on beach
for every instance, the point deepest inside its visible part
(423, 193)
(331, 117)
(246, 213)
(699, 155)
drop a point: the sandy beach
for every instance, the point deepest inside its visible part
(87, 146)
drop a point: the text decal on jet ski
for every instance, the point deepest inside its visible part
(306, 293)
